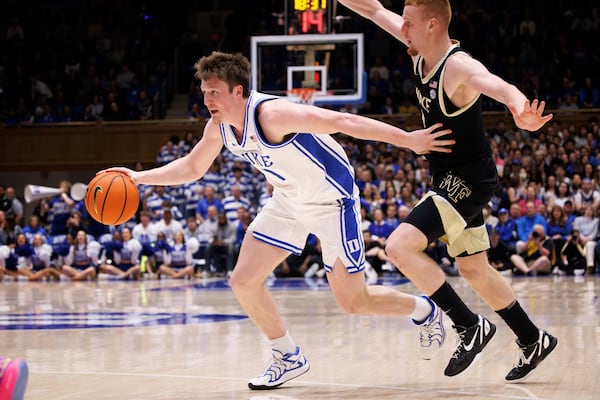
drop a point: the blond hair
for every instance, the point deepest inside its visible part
(439, 9)
(233, 69)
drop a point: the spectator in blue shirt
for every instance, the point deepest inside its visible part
(507, 229)
(526, 223)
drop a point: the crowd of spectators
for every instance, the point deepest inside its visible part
(108, 60)
(92, 61)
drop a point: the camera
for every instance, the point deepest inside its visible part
(535, 234)
(575, 236)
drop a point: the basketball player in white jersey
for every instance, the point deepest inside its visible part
(449, 85)
(314, 192)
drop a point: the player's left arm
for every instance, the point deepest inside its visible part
(464, 70)
(279, 118)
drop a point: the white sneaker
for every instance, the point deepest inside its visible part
(312, 270)
(370, 272)
(283, 368)
(431, 332)
(388, 266)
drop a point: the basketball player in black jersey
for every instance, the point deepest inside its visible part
(449, 85)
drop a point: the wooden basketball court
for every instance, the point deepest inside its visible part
(190, 340)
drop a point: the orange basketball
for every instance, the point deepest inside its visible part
(111, 198)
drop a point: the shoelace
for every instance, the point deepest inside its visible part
(520, 358)
(427, 331)
(277, 367)
(460, 342)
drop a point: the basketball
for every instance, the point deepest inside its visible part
(111, 198)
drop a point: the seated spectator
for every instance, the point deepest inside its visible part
(124, 256)
(489, 218)
(158, 253)
(167, 153)
(34, 227)
(563, 194)
(573, 255)
(209, 199)
(8, 262)
(234, 201)
(526, 223)
(168, 225)
(155, 202)
(222, 246)
(557, 228)
(16, 208)
(378, 227)
(193, 193)
(507, 229)
(537, 255)
(587, 226)
(530, 196)
(34, 258)
(178, 263)
(586, 196)
(499, 253)
(82, 260)
(438, 251)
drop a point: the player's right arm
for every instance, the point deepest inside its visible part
(376, 12)
(185, 169)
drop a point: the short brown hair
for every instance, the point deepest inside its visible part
(439, 9)
(234, 69)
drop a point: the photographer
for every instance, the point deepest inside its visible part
(573, 254)
(536, 257)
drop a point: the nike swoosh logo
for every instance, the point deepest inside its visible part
(528, 359)
(97, 189)
(469, 347)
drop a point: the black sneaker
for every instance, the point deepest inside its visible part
(470, 343)
(530, 356)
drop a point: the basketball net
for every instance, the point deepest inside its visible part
(304, 95)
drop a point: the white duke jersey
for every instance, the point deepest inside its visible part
(305, 168)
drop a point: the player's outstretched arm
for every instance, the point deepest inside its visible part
(182, 170)
(280, 117)
(376, 12)
(464, 70)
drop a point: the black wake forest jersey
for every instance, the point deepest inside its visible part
(472, 148)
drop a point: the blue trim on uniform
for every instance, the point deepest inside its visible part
(274, 173)
(336, 172)
(277, 243)
(349, 223)
(336, 155)
(259, 131)
(223, 134)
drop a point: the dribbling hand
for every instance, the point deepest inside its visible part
(133, 175)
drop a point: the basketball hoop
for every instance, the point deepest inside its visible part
(304, 95)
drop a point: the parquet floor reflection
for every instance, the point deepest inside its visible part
(181, 340)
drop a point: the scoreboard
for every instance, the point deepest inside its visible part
(308, 16)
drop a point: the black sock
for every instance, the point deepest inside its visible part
(519, 322)
(447, 299)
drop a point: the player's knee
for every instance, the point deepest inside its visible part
(241, 282)
(397, 247)
(472, 271)
(353, 306)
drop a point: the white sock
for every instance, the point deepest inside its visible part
(422, 309)
(284, 344)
